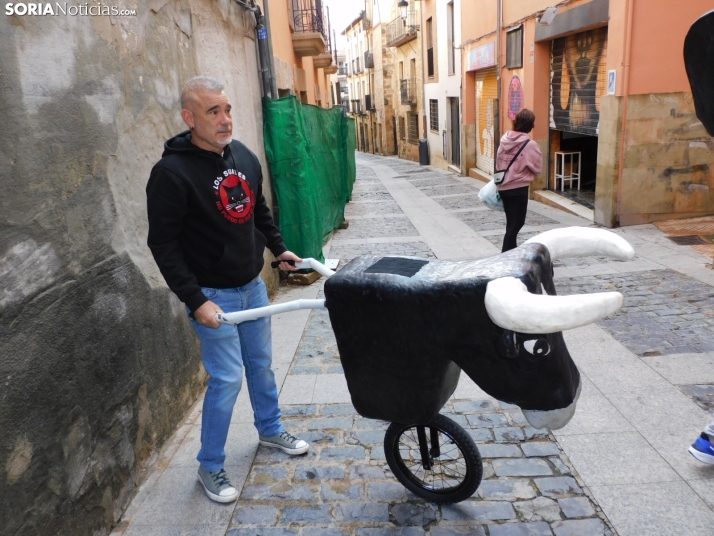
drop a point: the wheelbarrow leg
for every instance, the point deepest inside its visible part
(435, 450)
(424, 448)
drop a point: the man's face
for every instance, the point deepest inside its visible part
(210, 117)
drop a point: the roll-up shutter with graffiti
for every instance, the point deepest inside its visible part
(486, 95)
(578, 78)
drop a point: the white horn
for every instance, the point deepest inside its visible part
(582, 241)
(512, 307)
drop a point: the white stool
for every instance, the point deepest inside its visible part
(562, 173)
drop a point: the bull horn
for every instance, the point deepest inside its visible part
(582, 241)
(512, 307)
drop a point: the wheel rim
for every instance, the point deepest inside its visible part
(448, 470)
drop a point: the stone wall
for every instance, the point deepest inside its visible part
(608, 164)
(668, 168)
(97, 358)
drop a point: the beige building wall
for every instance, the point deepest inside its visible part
(407, 65)
(84, 416)
(378, 13)
(663, 157)
(296, 74)
(359, 82)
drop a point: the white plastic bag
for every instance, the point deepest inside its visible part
(490, 197)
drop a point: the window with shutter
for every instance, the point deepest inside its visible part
(514, 48)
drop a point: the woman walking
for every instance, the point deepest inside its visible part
(525, 160)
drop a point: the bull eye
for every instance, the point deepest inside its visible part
(537, 347)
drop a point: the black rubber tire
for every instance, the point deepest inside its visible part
(459, 460)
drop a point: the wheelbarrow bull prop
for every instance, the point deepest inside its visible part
(406, 327)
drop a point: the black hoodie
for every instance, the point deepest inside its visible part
(208, 221)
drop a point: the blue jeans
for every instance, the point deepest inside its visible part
(225, 352)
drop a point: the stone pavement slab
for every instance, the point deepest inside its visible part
(638, 509)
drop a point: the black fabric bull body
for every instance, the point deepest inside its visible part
(404, 340)
(699, 62)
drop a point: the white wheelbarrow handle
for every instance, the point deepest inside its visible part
(315, 265)
(260, 312)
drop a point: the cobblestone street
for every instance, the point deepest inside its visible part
(620, 467)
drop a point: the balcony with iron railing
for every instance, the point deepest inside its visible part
(408, 91)
(400, 32)
(356, 106)
(310, 32)
(369, 60)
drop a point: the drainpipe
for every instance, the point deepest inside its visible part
(273, 83)
(625, 98)
(267, 73)
(264, 55)
(265, 50)
(497, 104)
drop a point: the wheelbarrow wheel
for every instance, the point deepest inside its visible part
(438, 462)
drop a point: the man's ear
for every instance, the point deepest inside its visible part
(187, 116)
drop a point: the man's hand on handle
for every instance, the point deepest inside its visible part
(288, 256)
(206, 315)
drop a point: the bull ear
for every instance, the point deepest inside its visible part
(511, 306)
(582, 241)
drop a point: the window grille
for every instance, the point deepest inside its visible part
(413, 127)
(434, 115)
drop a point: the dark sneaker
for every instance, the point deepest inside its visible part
(702, 449)
(285, 442)
(217, 486)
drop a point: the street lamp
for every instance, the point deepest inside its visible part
(403, 5)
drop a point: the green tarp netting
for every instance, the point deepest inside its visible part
(311, 151)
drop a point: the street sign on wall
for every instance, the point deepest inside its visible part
(481, 57)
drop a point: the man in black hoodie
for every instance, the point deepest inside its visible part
(209, 225)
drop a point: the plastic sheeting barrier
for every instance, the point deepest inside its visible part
(311, 151)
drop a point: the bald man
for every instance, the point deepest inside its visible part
(209, 225)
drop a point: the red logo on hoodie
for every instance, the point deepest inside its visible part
(236, 199)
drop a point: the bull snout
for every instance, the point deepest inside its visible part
(553, 419)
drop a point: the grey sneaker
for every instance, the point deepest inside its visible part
(285, 442)
(217, 485)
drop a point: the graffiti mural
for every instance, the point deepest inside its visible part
(515, 97)
(578, 81)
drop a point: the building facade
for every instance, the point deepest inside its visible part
(613, 107)
(303, 52)
(441, 35)
(338, 82)
(403, 41)
(360, 64)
